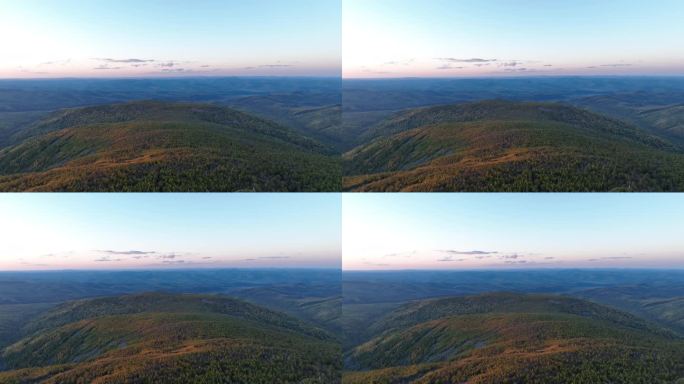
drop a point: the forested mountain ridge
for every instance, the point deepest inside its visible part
(163, 146)
(504, 337)
(511, 146)
(174, 338)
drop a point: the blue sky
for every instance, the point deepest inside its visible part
(444, 38)
(115, 231)
(466, 231)
(355, 231)
(169, 38)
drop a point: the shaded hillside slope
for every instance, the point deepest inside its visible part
(169, 338)
(664, 305)
(669, 120)
(513, 338)
(511, 146)
(14, 316)
(158, 146)
(661, 113)
(319, 304)
(11, 123)
(315, 115)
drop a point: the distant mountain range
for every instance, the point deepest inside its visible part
(169, 338)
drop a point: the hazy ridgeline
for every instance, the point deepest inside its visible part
(368, 101)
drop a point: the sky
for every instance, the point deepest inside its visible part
(505, 231)
(355, 231)
(148, 231)
(462, 38)
(133, 38)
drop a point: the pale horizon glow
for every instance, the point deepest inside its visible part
(511, 231)
(151, 231)
(493, 38)
(169, 38)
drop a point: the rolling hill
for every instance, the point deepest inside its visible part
(163, 146)
(511, 146)
(169, 338)
(514, 338)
